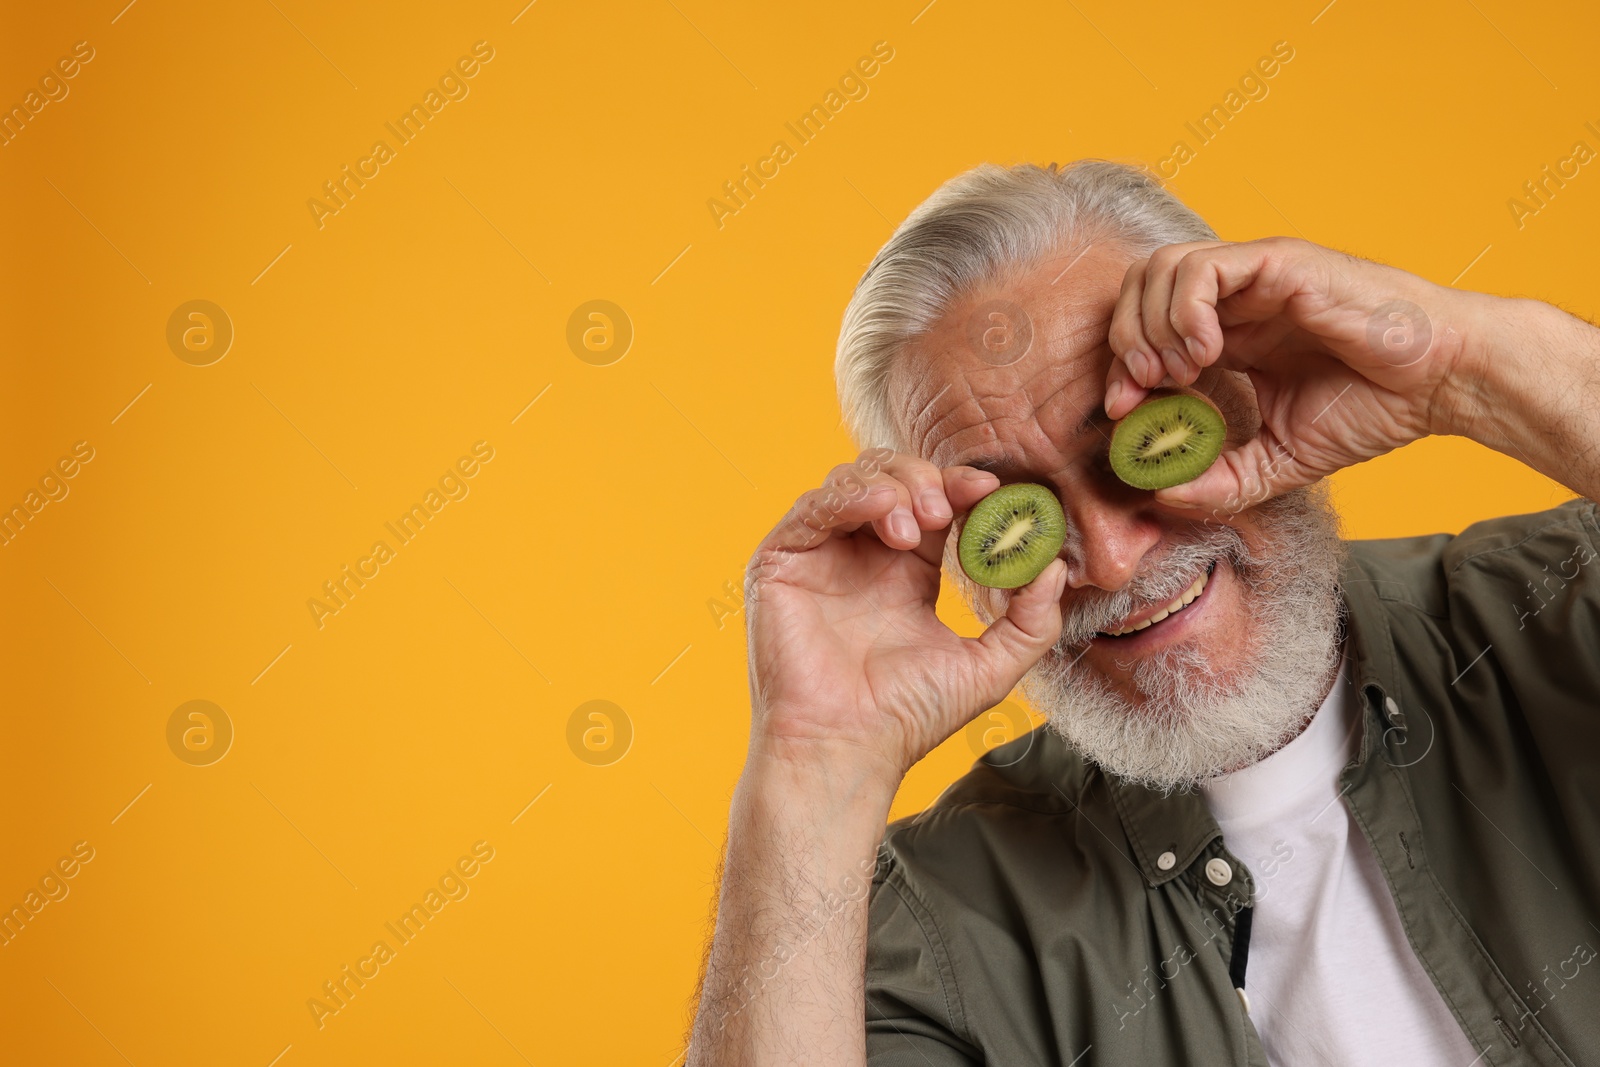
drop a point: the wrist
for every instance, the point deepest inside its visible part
(1507, 356)
(1477, 336)
(797, 832)
(823, 781)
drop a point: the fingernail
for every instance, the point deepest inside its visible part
(903, 525)
(1139, 365)
(1196, 349)
(1111, 396)
(933, 502)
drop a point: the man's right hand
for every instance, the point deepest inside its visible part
(848, 660)
(853, 679)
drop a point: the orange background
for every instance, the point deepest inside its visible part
(371, 353)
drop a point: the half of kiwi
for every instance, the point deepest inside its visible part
(1011, 536)
(1167, 441)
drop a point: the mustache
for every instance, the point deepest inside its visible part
(1154, 584)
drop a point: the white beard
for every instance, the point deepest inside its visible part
(1195, 723)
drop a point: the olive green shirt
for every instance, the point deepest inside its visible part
(1023, 918)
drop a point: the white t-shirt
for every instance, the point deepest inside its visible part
(1330, 976)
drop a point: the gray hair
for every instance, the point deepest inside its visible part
(975, 228)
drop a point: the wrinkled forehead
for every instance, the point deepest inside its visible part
(1015, 368)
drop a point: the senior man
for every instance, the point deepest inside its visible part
(1340, 807)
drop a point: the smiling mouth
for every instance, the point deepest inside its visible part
(1181, 601)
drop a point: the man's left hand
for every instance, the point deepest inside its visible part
(1349, 359)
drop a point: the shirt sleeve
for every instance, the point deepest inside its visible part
(914, 1015)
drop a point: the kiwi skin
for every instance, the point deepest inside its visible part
(1192, 430)
(996, 520)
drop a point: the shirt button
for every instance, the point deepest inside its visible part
(1243, 999)
(1166, 861)
(1219, 872)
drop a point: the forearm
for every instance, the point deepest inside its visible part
(1529, 386)
(784, 981)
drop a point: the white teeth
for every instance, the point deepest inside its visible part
(1184, 600)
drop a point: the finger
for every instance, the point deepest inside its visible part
(1241, 478)
(1196, 288)
(1010, 647)
(1177, 366)
(820, 513)
(963, 487)
(1161, 324)
(1123, 392)
(899, 526)
(1156, 311)
(924, 485)
(937, 495)
(1251, 282)
(1126, 335)
(923, 498)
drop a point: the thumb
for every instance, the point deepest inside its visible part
(1241, 478)
(1010, 647)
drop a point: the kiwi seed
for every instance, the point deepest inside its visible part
(1167, 441)
(1011, 535)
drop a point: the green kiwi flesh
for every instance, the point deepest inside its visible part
(1167, 441)
(1011, 536)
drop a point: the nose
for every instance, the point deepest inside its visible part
(1109, 534)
